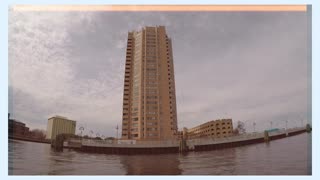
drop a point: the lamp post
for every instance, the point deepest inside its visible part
(117, 130)
(81, 129)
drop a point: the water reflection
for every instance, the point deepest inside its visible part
(57, 161)
(204, 163)
(309, 166)
(163, 164)
(289, 156)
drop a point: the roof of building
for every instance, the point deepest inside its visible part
(61, 117)
(210, 122)
(16, 121)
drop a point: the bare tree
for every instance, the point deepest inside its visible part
(38, 134)
(240, 129)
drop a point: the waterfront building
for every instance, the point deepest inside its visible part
(215, 129)
(149, 98)
(60, 125)
(180, 135)
(17, 129)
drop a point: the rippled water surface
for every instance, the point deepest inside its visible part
(288, 156)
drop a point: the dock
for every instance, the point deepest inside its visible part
(176, 146)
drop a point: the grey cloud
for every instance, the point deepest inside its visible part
(248, 66)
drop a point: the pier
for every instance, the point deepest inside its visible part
(176, 146)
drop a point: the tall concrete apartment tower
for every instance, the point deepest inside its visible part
(149, 99)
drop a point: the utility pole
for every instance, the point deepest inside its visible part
(254, 126)
(117, 131)
(286, 124)
(270, 124)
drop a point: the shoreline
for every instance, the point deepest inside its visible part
(28, 139)
(177, 147)
(204, 144)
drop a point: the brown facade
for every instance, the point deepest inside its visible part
(216, 129)
(149, 99)
(17, 128)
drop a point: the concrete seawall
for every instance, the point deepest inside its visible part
(21, 138)
(129, 150)
(296, 132)
(227, 144)
(203, 144)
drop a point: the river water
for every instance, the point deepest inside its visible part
(288, 156)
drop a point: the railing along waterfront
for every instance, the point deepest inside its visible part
(243, 137)
(175, 143)
(133, 144)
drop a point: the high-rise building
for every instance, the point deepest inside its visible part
(149, 98)
(60, 125)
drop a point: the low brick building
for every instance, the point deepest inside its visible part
(216, 129)
(17, 128)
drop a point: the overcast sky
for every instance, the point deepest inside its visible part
(248, 66)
